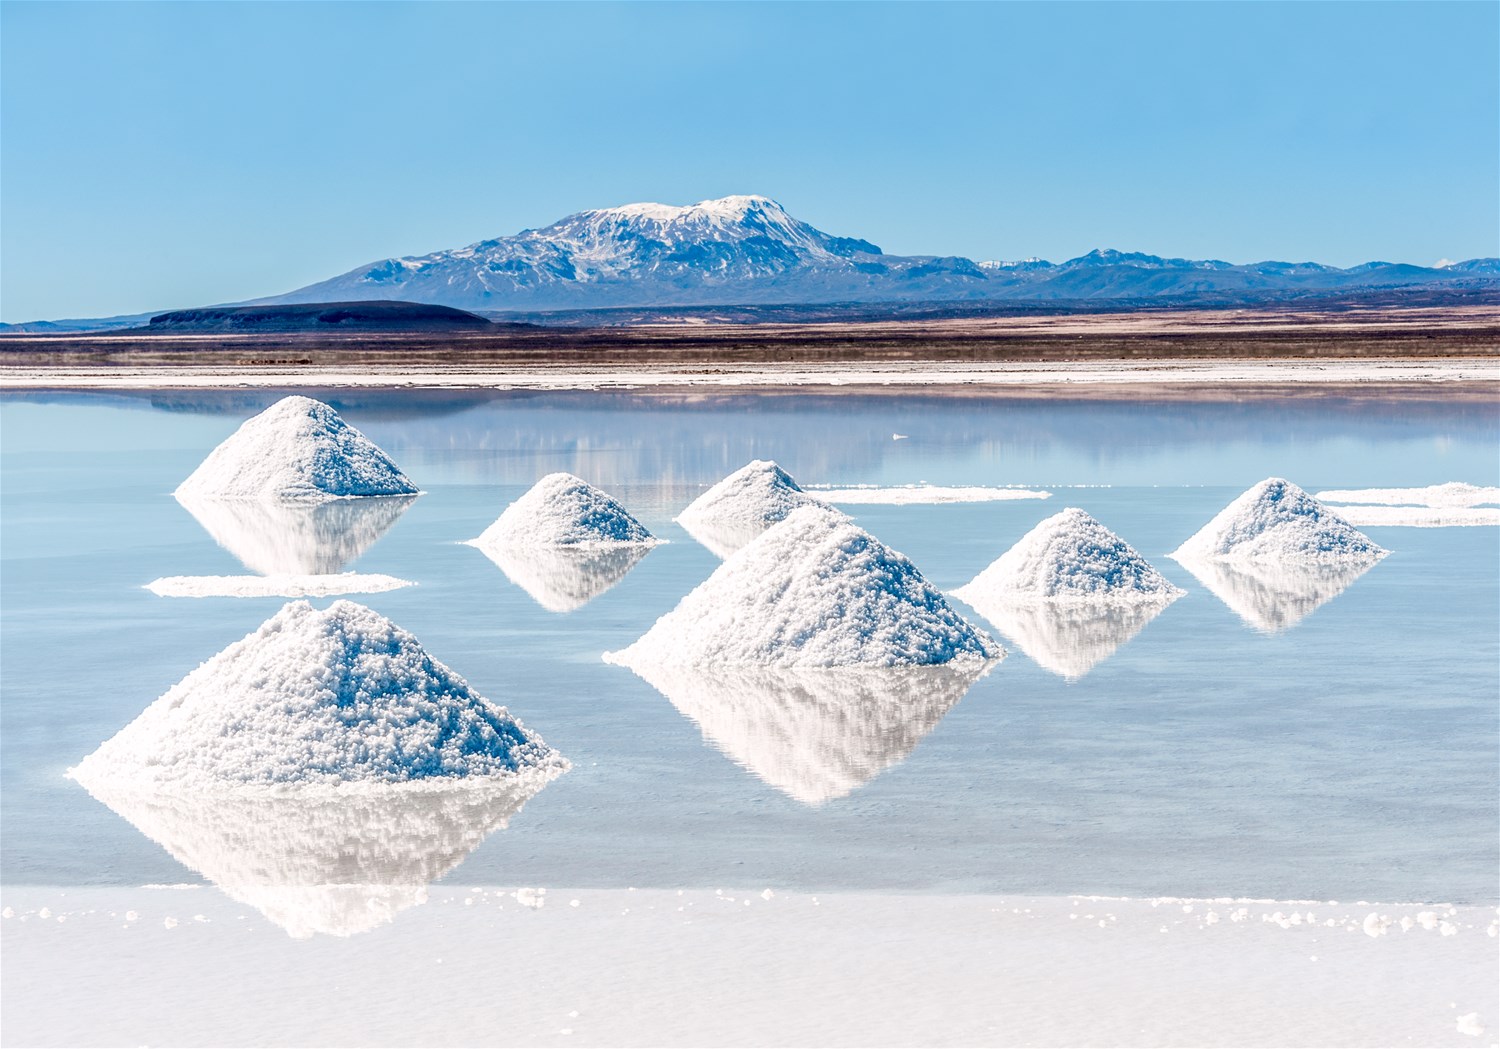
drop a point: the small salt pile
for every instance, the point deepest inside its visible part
(1069, 557)
(1275, 521)
(813, 591)
(742, 506)
(563, 510)
(297, 449)
(331, 698)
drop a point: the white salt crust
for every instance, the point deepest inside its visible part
(564, 510)
(1452, 494)
(333, 698)
(1277, 522)
(742, 506)
(297, 449)
(813, 591)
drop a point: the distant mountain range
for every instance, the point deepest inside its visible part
(747, 251)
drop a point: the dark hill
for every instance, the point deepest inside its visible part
(379, 315)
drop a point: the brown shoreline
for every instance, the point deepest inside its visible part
(1465, 333)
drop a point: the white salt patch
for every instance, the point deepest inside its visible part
(1277, 522)
(281, 538)
(814, 734)
(1470, 1024)
(742, 506)
(1420, 516)
(1452, 494)
(813, 591)
(297, 449)
(563, 510)
(564, 578)
(334, 862)
(334, 697)
(916, 494)
(1069, 556)
(1271, 598)
(274, 586)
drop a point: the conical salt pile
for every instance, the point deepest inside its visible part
(813, 591)
(563, 510)
(312, 698)
(1068, 557)
(742, 506)
(296, 449)
(1276, 521)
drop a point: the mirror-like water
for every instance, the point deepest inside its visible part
(1278, 737)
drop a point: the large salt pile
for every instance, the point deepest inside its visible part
(813, 591)
(333, 698)
(1069, 557)
(331, 862)
(742, 506)
(565, 578)
(1275, 521)
(817, 734)
(563, 510)
(296, 449)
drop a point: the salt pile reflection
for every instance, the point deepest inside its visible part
(815, 734)
(288, 538)
(337, 862)
(1071, 638)
(1273, 597)
(562, 579)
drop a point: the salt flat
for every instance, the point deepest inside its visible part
(554, 966)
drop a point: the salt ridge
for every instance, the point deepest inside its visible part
(564, 510)
(1452, 494)
(1275, 521)
(922, 494)
(813, 591)
(274, 585)
(297, 449)
(317, 699)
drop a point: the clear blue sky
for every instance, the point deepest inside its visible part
(179, 154)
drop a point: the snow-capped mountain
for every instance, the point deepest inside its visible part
(736, 249)
(747, 250)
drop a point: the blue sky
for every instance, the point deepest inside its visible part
(165, 155)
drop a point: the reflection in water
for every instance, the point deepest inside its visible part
(1070, 638)
(561, 578)
(318, 861)
(1274, 597)
(815, 734)
(277, 538)
(722, 538)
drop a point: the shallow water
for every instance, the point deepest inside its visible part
(1333, 741)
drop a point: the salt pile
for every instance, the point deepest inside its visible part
(561, 578)
(563, 510)
(817, 734)
(1277, 522)
(1069, 557)
(1271, 597)
(341, 697)
(335, 863)
(297, 449)
(742, 506)
(272, 538)
(813, 591)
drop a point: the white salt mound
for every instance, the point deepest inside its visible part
(813, 591)
(297, 449)
(1275, 521)
(1069, 557)
(743, 505)
(563, 510)
(331, 698)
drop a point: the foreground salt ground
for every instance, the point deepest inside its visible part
(555, 966)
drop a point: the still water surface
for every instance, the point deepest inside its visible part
(1240, 743)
